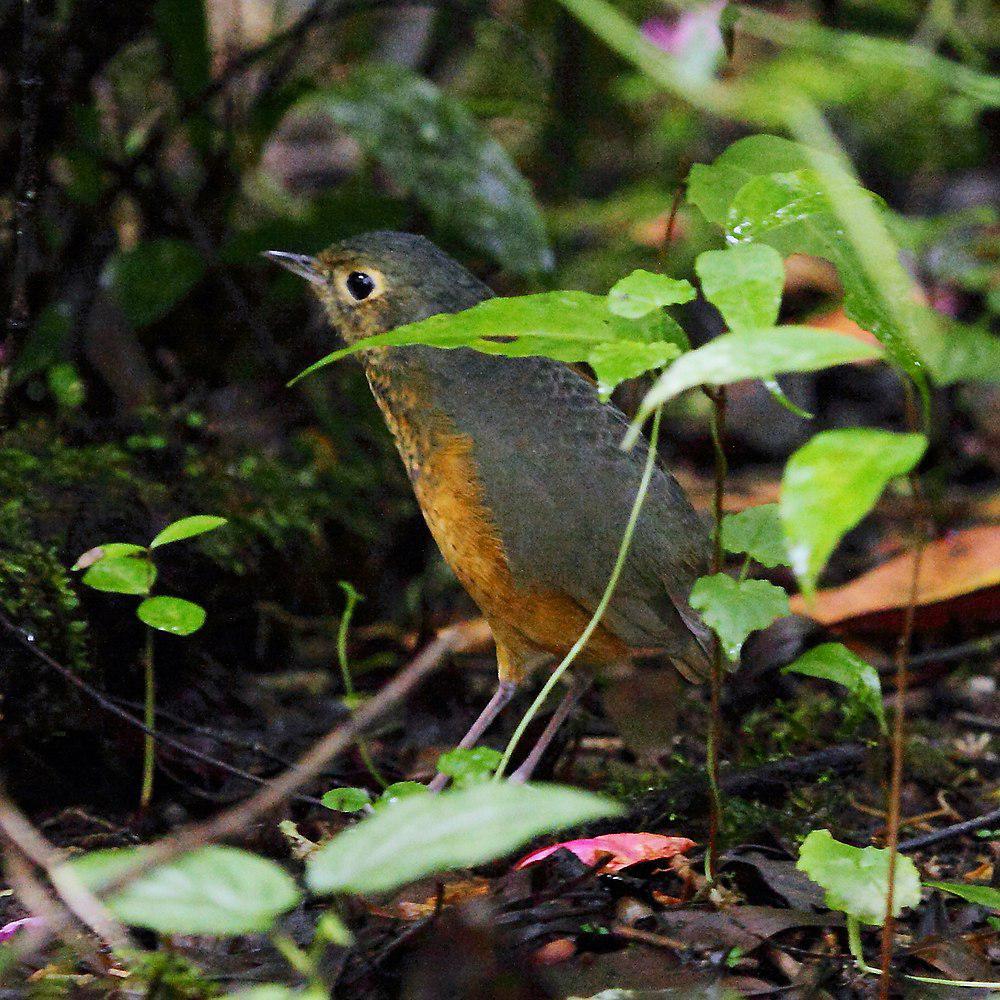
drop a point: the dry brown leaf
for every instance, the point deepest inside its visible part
(959, 578)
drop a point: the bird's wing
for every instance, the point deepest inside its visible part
(561, 490)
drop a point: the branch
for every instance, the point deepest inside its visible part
(109, 706)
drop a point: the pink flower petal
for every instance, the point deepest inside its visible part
(625, 849)
(24, 924)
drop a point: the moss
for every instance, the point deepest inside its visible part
(928, 763)
(36, 591)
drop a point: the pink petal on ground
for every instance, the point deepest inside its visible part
(625, 849)
(694, 27)
(26, 923)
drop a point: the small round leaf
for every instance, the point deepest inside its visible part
(171, 614)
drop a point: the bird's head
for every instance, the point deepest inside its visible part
(375, 282)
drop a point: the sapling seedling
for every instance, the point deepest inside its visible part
(128, 568)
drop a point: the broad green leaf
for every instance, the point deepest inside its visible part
(733, 609)
(187, 527)
(469, 765)
(833, 661)
(747, 354)
(435, 151)
(642, 292)
(151, 278)
(856, 879)
(348, 800)
(757, 531)
(121, 575)
(713, 186)
(105, 551)
(981, 895)
(434, 833)
(744, 282)
(831, 483)
(566, 326)
(214, 890)
(171, 614)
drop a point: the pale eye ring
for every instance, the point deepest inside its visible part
(360, 285)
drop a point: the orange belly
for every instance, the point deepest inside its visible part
(525, 620)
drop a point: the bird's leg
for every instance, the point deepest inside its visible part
(577, 688)
(501, 697)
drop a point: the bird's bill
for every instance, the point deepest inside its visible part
(298, 263)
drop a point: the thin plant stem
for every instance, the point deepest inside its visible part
(718, 398)
(602, 606)
(149, 720)
(898, 740)
(353, 598)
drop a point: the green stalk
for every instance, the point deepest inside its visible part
(718, 427)
(149, 718)
(602, 606)
(345, 672)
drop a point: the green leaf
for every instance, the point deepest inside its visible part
(108, 549)
(981, 895)
(434, 833)
(348, 800)
(713, 186)
(469, 765)
(744, 282)
(151, 278)
(617, 363)
(214, 890)
(187, 527)
(733, 609)
(763, 189)
(435, 151)
(856, 880)
(748, 354)
(398, 791)
(643, 291)
(171, 614)
(66, 386)
(121, 575)
(831, 483)
(566, 326)
(966, 354)
(833, 661)
(793, 213)
(757, 531)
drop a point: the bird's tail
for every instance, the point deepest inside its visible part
(695, 663)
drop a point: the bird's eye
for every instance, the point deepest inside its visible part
(360, 285)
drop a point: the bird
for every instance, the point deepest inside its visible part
(517, 468)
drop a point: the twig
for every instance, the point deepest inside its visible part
(985, 646)
(19, 831)
(109, 706)
(311, 764)
(949, 832)
(715, 698)
(901, 658)
(627, 933)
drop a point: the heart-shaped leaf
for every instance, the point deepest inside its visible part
(734, 608)
(856, 879)
(758, 532)
(744, 282)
